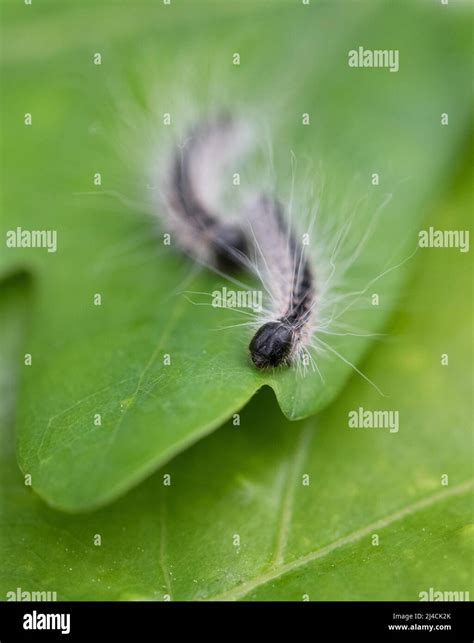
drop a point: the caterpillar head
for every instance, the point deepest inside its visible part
(272, 345)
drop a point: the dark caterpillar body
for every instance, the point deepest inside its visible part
(226, 242)
(275, 343)
(193, 179)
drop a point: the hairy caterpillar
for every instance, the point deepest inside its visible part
(190, 195)
(292, 328)
(293, 291)
(194, 213)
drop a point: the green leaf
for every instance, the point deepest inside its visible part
(108, 360)
(295, 540)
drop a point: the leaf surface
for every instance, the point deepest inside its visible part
(295, 541)
(110, 361)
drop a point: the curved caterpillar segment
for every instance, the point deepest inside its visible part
(194, 212)
(191, 195)
(287, 275)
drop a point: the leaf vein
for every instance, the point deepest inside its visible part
(286, 514)
(245, 588)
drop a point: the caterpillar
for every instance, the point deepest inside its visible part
(193, 211)
(292, 327)
(191, 195)
(285, 269)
